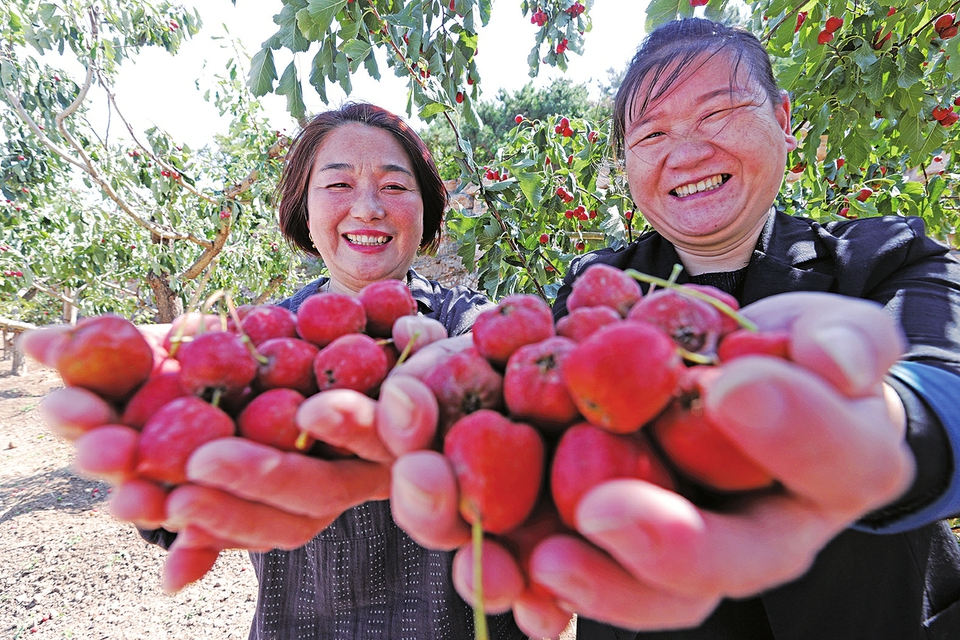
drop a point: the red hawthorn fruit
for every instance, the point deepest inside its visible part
(562, 46)
(268, 321)
(533, 388)
(729, 323)
(939, 113)
(383, 302)
(700, 450)
(628, 215)
(173, 433)
(824, 37)
(944, 22)
(289, 364)
(149, 398)
(693, 324)
(217, 360)
(864, 194)
(801, 18)
(950, 119)
(544, 238)
(518, 319)
(324, 317)
(593, 136)
(464, 383)
(588, 455)
(184, 327)
(744, 342)
(518, 119)
(698, 3)
(833, 23)
(270, 419)
(580, 246)
(106, 354)
(623, 375)
(499, 469)
(583, 321)
(353, 361)
(891, 11)
(603, 285)
(459, 97)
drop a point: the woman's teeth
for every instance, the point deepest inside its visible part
(704, 185)
(367, 240)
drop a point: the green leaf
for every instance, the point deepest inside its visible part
(290, 86)
(432, 109)
(357, 51)
(262, 73)
(323, 12)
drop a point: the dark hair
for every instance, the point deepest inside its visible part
(667, 53)
(292, 188)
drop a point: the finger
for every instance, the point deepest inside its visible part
(501, 577)
(850, 342)
(406, 414)
(424, 499)
(539, 616)
(139, 501)
(844, 455)
(186, 562)
(250, 525)
(292, 482)
(43, 345)
(586, 580)
(346, 419)
(70, 412)
(416, 332)
(108, 452)
(427, 359)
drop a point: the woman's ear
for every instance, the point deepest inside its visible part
(783, 117)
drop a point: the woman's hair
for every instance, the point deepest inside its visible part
(668, 53)
(295, 179)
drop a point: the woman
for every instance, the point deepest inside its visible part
(865, 439)
(360, 190)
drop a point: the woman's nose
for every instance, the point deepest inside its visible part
(688, 152)
(368, 205)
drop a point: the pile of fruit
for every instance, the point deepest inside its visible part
(535, 413)
(531, 416)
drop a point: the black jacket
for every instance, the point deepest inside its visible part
(862, 585)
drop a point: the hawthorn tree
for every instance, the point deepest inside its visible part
(872, 85)
(110, 219)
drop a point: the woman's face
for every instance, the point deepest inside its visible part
(364, 205)
(705, 161)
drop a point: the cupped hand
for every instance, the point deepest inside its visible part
(643, 557)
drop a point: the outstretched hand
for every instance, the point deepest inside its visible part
(242, 494)
(824, 424)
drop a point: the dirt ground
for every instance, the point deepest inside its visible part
(69, 570)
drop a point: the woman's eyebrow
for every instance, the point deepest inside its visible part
(390, 168)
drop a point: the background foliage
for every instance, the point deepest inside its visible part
(546, 185)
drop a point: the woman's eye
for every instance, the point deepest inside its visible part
(338, 185)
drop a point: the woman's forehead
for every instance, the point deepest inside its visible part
(703, 78)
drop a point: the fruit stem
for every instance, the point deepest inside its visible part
(303, 441)
(407, 350)
(215, 397)
(479, 617)
(721, 306)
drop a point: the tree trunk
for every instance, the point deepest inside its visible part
(169, 305)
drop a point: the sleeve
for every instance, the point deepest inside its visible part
(934, 437)
(922, 291)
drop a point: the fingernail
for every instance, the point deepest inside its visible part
(851, 353)
(397, 406)
(414, 498)
(741, 398)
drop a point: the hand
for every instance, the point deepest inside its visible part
(243, 494)
(823, 424)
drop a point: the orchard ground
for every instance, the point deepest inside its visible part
(69, 570)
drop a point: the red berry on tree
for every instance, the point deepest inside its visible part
(518, 119)
(824, 37)
(459, 97)
(801, 18)
(833, 23)
(544, 238)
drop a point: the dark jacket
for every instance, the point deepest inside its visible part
(863, 584)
